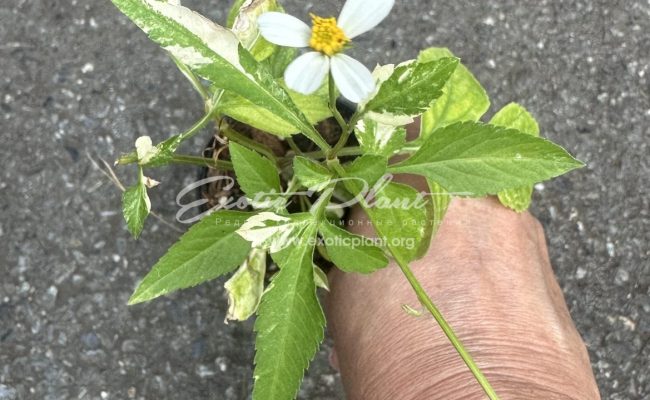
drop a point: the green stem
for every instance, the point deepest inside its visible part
(203, 162)
(291, 188)
(294, 146)
(196, 128)
(411, 147)
(215, 100)
(126, 159)
(346, 151)
(346, 128)
(194, 80)
(237, 137)
(303, 205)
(184, 159)
(335, 111)
(320, 206)
(343, 140)
(449, 332)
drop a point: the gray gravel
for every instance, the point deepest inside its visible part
(79, 80)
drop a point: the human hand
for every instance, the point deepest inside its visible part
(489, 273)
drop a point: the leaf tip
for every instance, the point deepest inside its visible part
(134, 299)
(138, 296)
(134, 231)
(574, 164)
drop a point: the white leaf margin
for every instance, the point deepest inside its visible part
(219, 39)
(271, 231)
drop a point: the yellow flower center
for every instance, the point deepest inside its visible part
(326, 36)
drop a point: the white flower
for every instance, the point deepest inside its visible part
(328, 38)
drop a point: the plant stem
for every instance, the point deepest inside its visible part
(203, 162)
(287, 194)
(343, 140)
(294, 146)
(237, 137)
(346, 127)
(126, 159)
(184, 159)
(346, 151)
(194, 80)
(335, 111)
(350, 151)
(196, 128)
(448, 331)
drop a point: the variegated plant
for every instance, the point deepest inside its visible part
(250, 71)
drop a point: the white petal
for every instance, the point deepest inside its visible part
(284, 30)
(360, 16)
(353, 79)
(306, 73)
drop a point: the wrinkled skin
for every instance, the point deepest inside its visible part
(488, 271)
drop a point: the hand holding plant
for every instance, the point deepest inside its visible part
(488, 270)
(248, 72)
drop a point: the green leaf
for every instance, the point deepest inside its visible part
(364, 172)
(136, 206)
(311, 174)
(247, 31)
(234, 11)
(400, 215)
(284, 106)
(289, 325)
(518, 199)
(378, 138)
(314, 106)
(246, 286)
(209, 249)
(470, 158)
(278, 63)
(516, 117)
(256, 174)
(352, 253)
(412, 88)
(164, 152)
(463, 98)
(215, 54)
(320, 279)
(441, 200)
